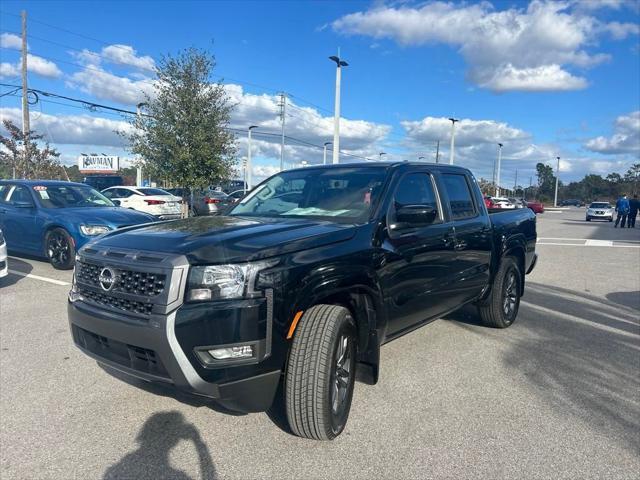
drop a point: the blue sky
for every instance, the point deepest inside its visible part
(545, 79)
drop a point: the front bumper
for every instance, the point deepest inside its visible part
(152, 352)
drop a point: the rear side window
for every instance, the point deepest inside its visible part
(460, 198)
(152, 191)
(21, 194)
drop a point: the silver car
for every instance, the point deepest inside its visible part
(4, 266)
(209, 202)
(600, 211)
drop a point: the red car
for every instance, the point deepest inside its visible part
(489, 203)
(537, 207)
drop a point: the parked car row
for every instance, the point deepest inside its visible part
(511, 203)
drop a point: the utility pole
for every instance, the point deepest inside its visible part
(453, 136)
(283, 111)
(555, 199)
(336, 115)
(498, 170)
(324, 153)
(438, 152)
(26, 128)
(515, 184)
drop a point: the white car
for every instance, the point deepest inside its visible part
(502, 202)
(154, 201)
(4, 266)
(600, 211)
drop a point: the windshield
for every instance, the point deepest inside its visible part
(68, 196)
(341, 194)
(600, 205)
(152, 191)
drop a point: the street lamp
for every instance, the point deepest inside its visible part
(555, 198)
(498, 170)
(336, 118)
(324, 154)
(247, 168)
(380, 155)
(453, 136)
(138, 118)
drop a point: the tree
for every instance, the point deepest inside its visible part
(30, 162)
(546, 180)
(183, 138)
(632, 177)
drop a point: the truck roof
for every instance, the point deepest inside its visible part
(383, 165)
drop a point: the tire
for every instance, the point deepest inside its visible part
(320, 373)
(588, 219)
(59, 249)
(611, 219)
(498, 311)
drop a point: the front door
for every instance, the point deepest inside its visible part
(417, 259)
(18, 220)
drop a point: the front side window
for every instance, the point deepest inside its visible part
(20, 194)
(415, 189)
(70, 196)
(341, 194)
(460, 198)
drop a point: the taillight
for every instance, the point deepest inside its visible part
(211, 200)
(154, 202)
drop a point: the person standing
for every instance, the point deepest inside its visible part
(634, 206)
(622, 207)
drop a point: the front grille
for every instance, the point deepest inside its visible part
(129, 281)
(123, 304)
(599, 213)
(131, 356)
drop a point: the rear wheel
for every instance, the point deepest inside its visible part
(60, 249)
(321, 373)
(588, 219)
(501, 308)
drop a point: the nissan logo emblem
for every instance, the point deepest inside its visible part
(107, 278)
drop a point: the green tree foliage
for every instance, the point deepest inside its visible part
(183, 136)
(546, 180)
(30, 162)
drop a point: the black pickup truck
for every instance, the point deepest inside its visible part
(299, 285)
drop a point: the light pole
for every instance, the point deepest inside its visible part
(247, 168)
(139, 118)
(336, 118)
(453, 136)
(380, 155)
(498, 170)
(324, 154)
(555, 199)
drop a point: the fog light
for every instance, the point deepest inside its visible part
(244, 351)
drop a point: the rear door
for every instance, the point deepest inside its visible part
(19, 222)
(473, 241)
(418, 263)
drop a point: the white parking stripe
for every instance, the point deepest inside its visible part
(37, 277)
(585, 245)
(584, 239)
(599, 243)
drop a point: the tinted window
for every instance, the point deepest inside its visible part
(67, 196)
(416, 189)
(600, 205)
(153, 191)
(460, 199)
(21, 194)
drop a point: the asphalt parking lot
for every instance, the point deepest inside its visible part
(557, 395)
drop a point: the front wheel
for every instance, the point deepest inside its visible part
(60, 249)
(501, 308)
(321, 373)
(588, 219)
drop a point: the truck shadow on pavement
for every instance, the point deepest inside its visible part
(159, 434)
(579, 353)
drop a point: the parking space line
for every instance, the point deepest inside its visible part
(38, 277)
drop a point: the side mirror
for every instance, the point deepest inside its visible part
(116, 202)
(416, 215)
(20, 204)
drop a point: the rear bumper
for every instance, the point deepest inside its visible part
(150, 351)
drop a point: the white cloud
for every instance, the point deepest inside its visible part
(72, 129)
(107, 86)
(126, 55)
(514, 49)
(625, 139)
(11, 41)
(8, 70)
(620, 31)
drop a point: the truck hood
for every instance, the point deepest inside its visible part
(114, 217)
(229, 239)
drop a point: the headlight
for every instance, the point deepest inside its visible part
(92, 230)
(223, 282)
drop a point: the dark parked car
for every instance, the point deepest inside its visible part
(101, 182)
(54, 219)
(307, 277)
(571, 203)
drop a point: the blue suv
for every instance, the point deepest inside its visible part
(55, 219)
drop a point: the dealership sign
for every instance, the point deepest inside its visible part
(98, 163)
